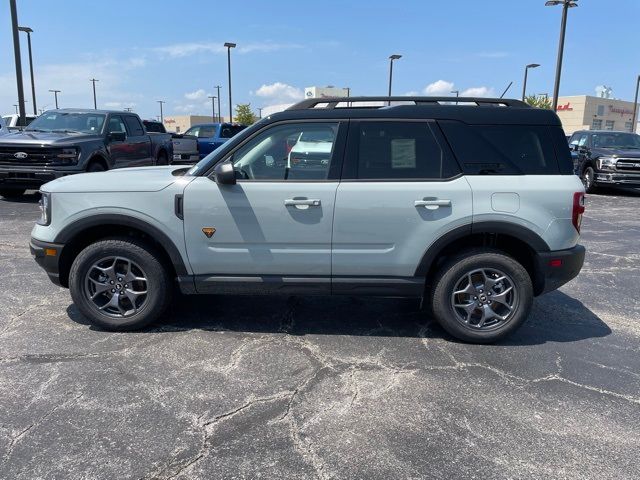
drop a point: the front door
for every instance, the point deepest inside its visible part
(118, 149)
(273, 228)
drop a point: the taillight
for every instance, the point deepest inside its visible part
(578, 210)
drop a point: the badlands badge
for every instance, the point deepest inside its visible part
(208, 231)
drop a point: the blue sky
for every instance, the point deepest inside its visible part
(143, 50)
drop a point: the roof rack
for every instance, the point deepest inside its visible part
(348, 102)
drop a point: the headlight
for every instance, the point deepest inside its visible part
(45, 209)
(67, 156)
(606, 163)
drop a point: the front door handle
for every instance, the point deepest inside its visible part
(432, 204)
(302, 203)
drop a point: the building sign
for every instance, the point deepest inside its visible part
(621, 111)
(169, 120)
(565, 108)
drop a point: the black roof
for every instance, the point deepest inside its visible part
(471, 110)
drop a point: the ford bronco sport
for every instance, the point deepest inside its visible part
(472, 207)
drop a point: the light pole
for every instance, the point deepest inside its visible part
(229, 46)
(524, 84)
(457, 92)
(566, 5)
(55, 95)
(213, 107)
(18, 60)
(391, 59)
(29, 31)
(161, 114)
(260, 112)
(16, 105)
(634, 119)
(218, 87)
(95, 104)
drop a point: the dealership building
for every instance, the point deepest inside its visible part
(181, 123)
(584, 112)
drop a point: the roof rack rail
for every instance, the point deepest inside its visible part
(347, 102)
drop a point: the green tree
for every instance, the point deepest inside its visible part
(541, 101)
(244, 114)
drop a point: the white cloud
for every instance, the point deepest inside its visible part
(439, 88)
(178, 50)
(119, 105)
(492, 54)
(478, 92)
(199, 94)
(279, 92)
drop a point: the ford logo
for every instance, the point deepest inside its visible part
(21, 155)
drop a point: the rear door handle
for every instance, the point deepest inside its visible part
(302, 203)
(432, 204)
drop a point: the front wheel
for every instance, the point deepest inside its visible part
(8, 193)
(120, 284)
(588, 178)
(482, 296)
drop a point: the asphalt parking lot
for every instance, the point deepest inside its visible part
(250, 387)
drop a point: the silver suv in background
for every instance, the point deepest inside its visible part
(471, 207)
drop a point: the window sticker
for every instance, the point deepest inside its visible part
(403, 153)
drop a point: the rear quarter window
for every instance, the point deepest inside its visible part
(504, 149)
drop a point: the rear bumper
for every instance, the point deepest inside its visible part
(617, 178)
(186, 158)
(47, 255)
(554, 269)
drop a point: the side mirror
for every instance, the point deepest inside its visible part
(117, 136)
(225, 175)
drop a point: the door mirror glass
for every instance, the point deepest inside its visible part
(224, 173)
(118, 136)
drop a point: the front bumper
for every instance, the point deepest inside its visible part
(617, 178)
(554, 269)
(47, 255)
(30, 178)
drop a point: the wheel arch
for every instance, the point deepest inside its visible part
(98, 158)
(83, 232)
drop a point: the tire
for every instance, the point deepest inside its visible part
(467, 323)
(8, 193)
(96, 167)
(588, 176)
(162, 159)
(104, 262)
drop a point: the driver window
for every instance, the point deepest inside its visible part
(116, 125)
(288, 152)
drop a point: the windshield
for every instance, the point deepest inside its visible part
(68, 122)
(616, 140)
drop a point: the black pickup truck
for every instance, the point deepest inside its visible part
(67, 141)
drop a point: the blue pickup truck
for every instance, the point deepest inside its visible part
(212, 135)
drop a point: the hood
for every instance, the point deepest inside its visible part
(140, 179)
(45, 138)
(617, 152)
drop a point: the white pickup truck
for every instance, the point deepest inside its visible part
(12, 122)
(185, 147)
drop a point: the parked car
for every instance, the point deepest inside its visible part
(606, 158)
(212, 135)
(185, 147)
(13, 123)
(470, 208)
(64, 142)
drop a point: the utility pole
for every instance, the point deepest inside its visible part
(18, 60)
(95, 103)
(161, 114)
(229, 46)
(29, 31)
(213, 107)
(218, 87)
(55, 94)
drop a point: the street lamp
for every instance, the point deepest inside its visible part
(260, 112)
(16, 105)
(391, 59)
(55, 94)
(161, 114)
(634, 119)
(18, 60)
(524, 84)
(29, 31)
(566, 5)
(457, 92)
(229, 46)
(95, 104)
(218, 87)
(213, 107)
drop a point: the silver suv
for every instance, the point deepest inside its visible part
(472, 207)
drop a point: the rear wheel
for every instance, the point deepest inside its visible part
(588, 177)
(9, 193)
(482, 296)
(120, 284)
(162, 159)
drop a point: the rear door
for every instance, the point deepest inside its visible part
(401, 190)
(140, 151)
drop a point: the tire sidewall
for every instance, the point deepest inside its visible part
(451, 273)
(157, 283)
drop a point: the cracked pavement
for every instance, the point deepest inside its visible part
(277, 387)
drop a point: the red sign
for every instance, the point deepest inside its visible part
(566, 107)
(169, 120)
(621, 111)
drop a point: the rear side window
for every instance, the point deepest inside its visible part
(502, 149)
(401, 150)
(134, 126)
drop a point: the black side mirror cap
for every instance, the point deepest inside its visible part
(224, 173)
(117, 136)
